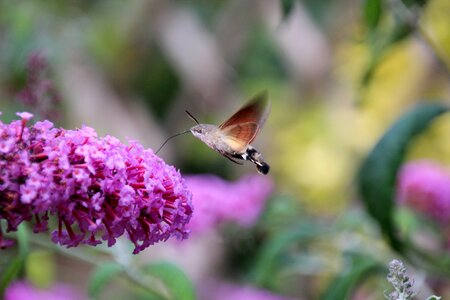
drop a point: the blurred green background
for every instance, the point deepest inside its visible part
(338, 74)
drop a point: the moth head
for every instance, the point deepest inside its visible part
(198, 130)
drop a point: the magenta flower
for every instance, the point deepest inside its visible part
(97, 188)
(21, 290)
(217, 201)
(425, 187)
(225, 291)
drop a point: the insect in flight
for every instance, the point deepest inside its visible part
(232, 138)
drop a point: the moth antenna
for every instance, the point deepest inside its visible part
(192, 117)
(171, 137)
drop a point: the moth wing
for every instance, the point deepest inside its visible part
(255, 111)
(238, 136)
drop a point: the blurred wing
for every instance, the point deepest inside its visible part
(240, 135)
(242, 127)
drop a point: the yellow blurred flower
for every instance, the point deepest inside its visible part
(320, 148)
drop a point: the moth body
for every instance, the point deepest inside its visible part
(211, 135)
(232, 138)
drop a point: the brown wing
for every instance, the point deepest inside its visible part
(242, 127)
(255, 111)
(240, 135)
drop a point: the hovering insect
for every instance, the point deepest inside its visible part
(232, 138)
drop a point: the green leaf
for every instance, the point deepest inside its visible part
(287, 6)
(11, 273)
(373, 10)
(274, 248)
(102, 275)
(377, 174)
(434, 298)
(360, 268)
(15, 267)
(381, 49)
(176, 281)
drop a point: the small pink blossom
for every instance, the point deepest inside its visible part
(425, 187)
(96, 188)
(26, 116)
(225, 291)
(21, 290)
(217, 201)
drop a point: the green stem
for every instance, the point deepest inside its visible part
(408, 16)
(434, 264)
(131, 275)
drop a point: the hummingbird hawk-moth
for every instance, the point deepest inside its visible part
(232, 138)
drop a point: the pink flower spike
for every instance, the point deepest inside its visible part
(219, 201)
(424, 186)
(96, 188)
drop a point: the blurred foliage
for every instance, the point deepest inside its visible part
(15, 265)
(40, 268)
(377, 176)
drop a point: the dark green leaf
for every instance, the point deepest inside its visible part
(410, 3)
(359, 269)
(400, 32)
(11, 272)
(287, 6)
(102, 275)
(176, 281)
(377, 175)
(373, 10)
(369, 71)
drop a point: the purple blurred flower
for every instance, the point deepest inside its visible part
(39, 92)
(425, 187)
(225, 291)
(21, 290)
(96, 187)
(216, 200)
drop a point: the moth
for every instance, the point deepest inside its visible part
(233, 137)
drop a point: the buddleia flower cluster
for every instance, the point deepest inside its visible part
(425, 187)
(401, 283)
(90, 188)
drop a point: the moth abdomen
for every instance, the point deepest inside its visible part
(254, 156)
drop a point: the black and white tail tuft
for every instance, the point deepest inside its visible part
(254, 156)
(262, 168)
